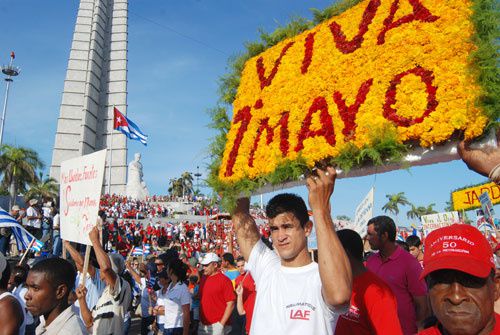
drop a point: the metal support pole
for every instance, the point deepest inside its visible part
(110, 160)
(4, 112)
(10, 71)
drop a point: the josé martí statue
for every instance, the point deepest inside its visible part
(136, 187)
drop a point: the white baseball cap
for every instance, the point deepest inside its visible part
(209, 258)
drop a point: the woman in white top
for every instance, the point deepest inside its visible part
(176, 306)
(161, 296)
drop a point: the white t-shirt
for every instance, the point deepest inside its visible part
(37, 223)
(177, 296)
(289, 300)
(160, 301)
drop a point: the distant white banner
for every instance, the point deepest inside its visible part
(364, 212)
(435, 221)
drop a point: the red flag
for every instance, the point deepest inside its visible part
(12, 55)
(119, 119)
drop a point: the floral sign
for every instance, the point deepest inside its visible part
(382, 65)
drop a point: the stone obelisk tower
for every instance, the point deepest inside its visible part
(96, 80)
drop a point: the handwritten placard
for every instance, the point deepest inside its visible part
(81, 184)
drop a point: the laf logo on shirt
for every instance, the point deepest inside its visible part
(300, 314)
(300, 311)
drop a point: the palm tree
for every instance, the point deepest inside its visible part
(43, 189)
(175, 187)
(343, 218)
(413, 213)
(417, 212)
(18, 166)
(395, 200)
(430, 209)
(187, 183)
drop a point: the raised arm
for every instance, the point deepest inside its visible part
(245, 227)
(482, 161)
(239, 299)
(229, 239)
(78, 259)
(102, 258)
(88, 320)
(135, 275)
(334, 267)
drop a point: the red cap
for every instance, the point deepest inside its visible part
(458, 247)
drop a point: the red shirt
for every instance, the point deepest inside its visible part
(435, 329)
(249, 295)
(373, 308)
(215, 292)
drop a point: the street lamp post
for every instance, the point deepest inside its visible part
(197, 175)
(10, 71)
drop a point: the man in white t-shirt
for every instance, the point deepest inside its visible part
(34, 218)
(294, 294)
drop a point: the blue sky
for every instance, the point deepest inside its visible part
(177, 52)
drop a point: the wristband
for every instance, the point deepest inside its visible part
(495, 174)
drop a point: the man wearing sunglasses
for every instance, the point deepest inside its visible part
(463, 288)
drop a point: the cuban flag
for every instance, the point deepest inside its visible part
(146, 249)
(129, 128)
(22, 236)
(137, 251)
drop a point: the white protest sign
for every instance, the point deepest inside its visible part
(80, 193)
(364, 212)
(486, 205)
(434, 221)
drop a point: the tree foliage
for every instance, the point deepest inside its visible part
(18, 166)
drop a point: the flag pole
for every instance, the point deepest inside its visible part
(111, 153)
(27, 251)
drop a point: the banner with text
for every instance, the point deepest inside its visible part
(468, 198)
(364, 212)
(435, 221)
(80, 191)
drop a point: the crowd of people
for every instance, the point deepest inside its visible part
(233, 276)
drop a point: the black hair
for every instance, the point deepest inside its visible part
(228, 257)
(102, 215)
(4, 282)
(179, 268)
(403, 245)
(20, 273)
(163, 274)
(288, 203)
(352, 243)
(169, 256)
(57, 271)
(193, 279)
(413, 241)
(240, 259)
(384, 224)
